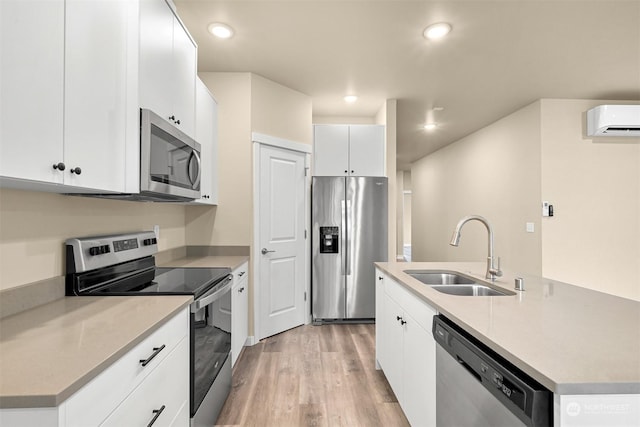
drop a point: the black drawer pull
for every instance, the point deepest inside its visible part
(157, 413)
(241, 274)
(145, 362)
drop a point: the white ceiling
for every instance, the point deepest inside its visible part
(500, 56)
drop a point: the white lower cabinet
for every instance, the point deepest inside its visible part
(239, 310)
(127, 393)
(406, 350)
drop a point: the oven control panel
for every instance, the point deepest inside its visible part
(89, 253)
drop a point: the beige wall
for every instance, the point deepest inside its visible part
(279, 111)
(494, 172)
(344, 120)
(34, 227)
(507, 169)
(400, 232)
(593, 239)
(387, 116)
(228, 224)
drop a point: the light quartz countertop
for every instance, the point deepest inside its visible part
(49, 352)
(211, 261)
(570, 339)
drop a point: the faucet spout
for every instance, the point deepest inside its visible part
(493, 271)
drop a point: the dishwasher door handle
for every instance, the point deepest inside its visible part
(469, 368)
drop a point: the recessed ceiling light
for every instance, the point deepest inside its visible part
(220, 30)
(350, 99)
(430, 126)
(437, 31)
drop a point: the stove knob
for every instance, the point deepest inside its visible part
(94, 250)
(106, 249)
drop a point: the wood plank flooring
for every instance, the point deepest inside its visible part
(312, 376)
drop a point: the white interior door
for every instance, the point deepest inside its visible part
(281, 251)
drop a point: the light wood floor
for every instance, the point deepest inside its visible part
(312, 376)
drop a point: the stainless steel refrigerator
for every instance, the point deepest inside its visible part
(349, 234)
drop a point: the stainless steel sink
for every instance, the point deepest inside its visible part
(440, 277)
(453, 283)
(468, 290)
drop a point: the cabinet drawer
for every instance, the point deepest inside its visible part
(94, 402)
(420, 311)
(166, 388)
(240, 273)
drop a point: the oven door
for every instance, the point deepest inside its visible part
(169, 159)
(210, 353)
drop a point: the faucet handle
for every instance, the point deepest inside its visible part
(498, 272)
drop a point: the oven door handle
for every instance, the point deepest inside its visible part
(214, 295)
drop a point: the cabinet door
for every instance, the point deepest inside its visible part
(419, 392)
(381, 338)
(31, 87)
(184, 79)
(206, 129)
(239, 311)
(97, 75)
(366, 150)
(393, 362)
(156, 57)
(331, 150)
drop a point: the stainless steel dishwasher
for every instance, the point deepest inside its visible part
(477, 387)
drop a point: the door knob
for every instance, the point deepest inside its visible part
(265, 251)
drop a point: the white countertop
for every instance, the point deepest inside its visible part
(570, 339)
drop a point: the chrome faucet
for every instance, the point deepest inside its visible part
(493, 271)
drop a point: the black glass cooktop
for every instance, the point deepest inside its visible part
(166, 281)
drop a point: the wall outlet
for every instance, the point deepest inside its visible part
(156, 229)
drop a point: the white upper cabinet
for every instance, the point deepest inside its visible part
(330, 150)
(74, 74)
(168, 59)
(207, 136)
(31, 89)
(98, 117)
(348, 150)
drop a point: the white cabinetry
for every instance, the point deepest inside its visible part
(406, 350)
(168, 61)
(65, 105)
(31, 89)
(207, 136)
(98, 115)
(352, 150)
(128, 393)
(239, 311)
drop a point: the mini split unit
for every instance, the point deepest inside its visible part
(614, 120)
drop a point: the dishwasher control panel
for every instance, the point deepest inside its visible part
(525, 397)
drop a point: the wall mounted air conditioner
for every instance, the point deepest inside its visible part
(614, 120)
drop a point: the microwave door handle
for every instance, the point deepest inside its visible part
(196, 182)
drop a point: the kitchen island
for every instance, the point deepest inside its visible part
(581, 344)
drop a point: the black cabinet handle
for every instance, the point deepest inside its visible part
(241, 274)
(241, 289)
(156, 413)
(380, 277)
(402, 321)
(177, 122)
(156, 351)
(59, 166)
(172, 118)
(398, 318)
(346, 171)
(76, 170)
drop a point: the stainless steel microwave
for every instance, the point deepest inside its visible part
(170, 167)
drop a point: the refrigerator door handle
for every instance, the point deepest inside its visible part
(346, 210)
(343, 237)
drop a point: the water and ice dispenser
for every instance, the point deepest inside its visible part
(329, 237)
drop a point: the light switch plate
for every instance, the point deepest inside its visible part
(531, 227)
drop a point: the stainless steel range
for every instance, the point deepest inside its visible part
(125, 265)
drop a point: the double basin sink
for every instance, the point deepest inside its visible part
(452, 283)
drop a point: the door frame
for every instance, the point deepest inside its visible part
(259, 140)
